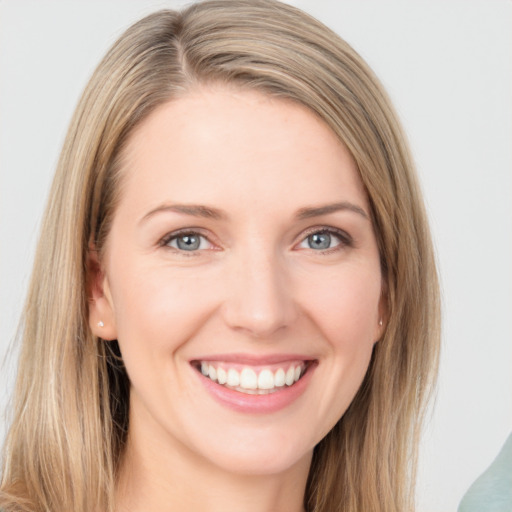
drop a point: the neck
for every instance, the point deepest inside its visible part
(169, 478)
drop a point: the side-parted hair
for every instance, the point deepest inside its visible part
(70, 416)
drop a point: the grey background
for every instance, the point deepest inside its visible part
(447, 66)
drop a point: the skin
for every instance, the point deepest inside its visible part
(255, 286)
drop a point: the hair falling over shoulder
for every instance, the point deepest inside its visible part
(70, 415)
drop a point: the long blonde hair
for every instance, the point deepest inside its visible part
(71, 398)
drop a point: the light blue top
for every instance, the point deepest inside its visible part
(492, 491)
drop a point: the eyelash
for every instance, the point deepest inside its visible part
(345, 240)
(167, 239)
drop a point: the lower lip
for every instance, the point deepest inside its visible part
(257, 404)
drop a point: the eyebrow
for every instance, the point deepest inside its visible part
(195, 210)
(317, 211)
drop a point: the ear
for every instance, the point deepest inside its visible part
(101, 307)
(383, 312)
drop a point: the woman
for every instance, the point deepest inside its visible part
(246, 317)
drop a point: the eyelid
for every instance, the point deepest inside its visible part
(345, 239)
(166, 239)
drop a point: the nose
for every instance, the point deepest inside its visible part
(259, 299)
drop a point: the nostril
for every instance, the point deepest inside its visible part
(260, 317)
(258, 298)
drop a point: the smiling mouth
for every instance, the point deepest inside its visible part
(250, 380)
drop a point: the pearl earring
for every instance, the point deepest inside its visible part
(380, 322)
(101, 324)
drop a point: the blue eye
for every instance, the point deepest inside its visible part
(323, 240)
(319, 241)
(188, 242)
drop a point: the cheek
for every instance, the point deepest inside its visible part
(346, 311)
(346, 306)
(157, 310)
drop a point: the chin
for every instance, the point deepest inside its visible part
(259, 454)
(263, 464)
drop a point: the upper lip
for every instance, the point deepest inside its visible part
(252, 359)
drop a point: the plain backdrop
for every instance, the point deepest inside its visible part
(448, 68)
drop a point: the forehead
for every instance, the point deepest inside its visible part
(219, 144)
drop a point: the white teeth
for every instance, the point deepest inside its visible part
(222, 376)
(248, 379)
(266, 380)
(290, 376)
(279, 378)
(233, 378)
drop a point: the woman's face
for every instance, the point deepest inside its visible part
(241, 257)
